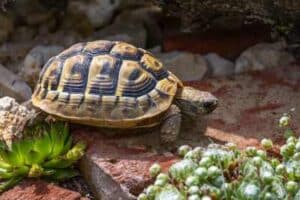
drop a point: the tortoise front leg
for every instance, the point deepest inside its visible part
(171, 125)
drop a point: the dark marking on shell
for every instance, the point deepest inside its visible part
(100, 51)
(55, 98)
(159, 75)
(134, 75)
(127, 56)
(162, 94)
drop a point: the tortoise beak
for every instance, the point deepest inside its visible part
(210, 104)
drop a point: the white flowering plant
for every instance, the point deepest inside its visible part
(227, 173)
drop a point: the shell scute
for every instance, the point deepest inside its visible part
(98, 47)
(103, 75)
(126, 51)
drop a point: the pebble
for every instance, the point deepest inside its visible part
(13, 86)
(13, 118)
(35, 60)
(262, 56)
(186, 66)
(218, 65)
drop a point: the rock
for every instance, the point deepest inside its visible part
(129, 31)
(13, 86)
(12, 54)
(134, 26)
(31, 12)
(218, 65)
(62, 37)
(186, 66)
(98, 12)
(7, 26)
(90, 9)
(155, 50)
(198, 15)
(77, 22)
(23, 34)
(35, 60)
(40, 190)
(133, 33)
(150, 18)
(35, 13)
(13, 118)
(127, 4)
(263, 56)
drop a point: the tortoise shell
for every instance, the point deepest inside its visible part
(105, 83)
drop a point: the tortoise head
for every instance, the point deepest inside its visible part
(193, 102)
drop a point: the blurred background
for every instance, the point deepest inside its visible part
(207, 36)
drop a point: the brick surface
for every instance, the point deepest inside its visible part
(251, 105)
(39, 190)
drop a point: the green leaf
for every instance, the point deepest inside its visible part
(182, 169)
(279, 189)
(14, 159)
(24, 146)
(297, 196)
(169, 192)
(5, 185)
(58, 134)
(62, 174)
(20, 171)
(43, 145)
(34, 158)
(76, 152)
(5, 165)
(67, 144)
(58, 163)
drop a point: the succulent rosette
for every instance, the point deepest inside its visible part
(45, 151)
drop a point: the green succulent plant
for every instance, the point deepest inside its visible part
(223, 172)
(45, 151)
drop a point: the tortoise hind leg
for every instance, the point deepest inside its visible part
(171, 125)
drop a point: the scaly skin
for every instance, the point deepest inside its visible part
(190, 102)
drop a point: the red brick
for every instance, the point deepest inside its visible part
(39, 190)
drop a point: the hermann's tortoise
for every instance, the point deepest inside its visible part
(116, 85)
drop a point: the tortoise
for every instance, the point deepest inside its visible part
(114, 84)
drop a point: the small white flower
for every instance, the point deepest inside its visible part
(284, 121)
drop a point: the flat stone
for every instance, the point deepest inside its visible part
(262, 56)
(133, 26)
(219, 66)
(7, 27)
(187, 66)
(39, 190)
(13, 86)
(35, 60)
